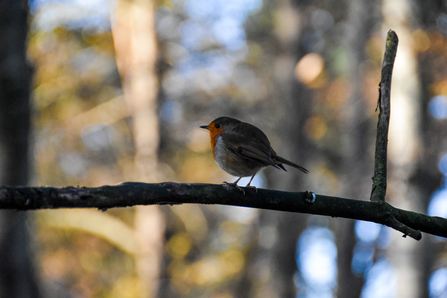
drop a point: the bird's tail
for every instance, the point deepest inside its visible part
(285, 161)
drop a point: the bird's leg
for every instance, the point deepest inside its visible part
(237, 180)
(235, 184)
(249, 186)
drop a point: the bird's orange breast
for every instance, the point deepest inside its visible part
(214, 132)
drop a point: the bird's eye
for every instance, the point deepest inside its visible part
(217, 126)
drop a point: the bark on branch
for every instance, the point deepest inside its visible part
(169, 193)
(379, 179)
(378, 191)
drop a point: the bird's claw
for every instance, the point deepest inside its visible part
(234, 185)
(252, 187)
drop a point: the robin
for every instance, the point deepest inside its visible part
(242, 149)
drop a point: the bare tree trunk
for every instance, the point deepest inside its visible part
(427, 176)
(295, 100)
(17, 275)
(355, 142)
(136, 54)
(404, 139)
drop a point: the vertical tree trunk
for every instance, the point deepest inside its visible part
(136, 54)
(355, 142)
(404, 139)
(427, 176)
(295, 102)
(17, 277)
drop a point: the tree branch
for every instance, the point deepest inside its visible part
(169, 193)
(379, 180)
(398, 220)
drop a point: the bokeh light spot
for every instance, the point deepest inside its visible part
(367, 231)
(233, 261)
(316, 127)
(438, 203)
(380, 281)
(322, 20)
(239, 214)
(317, 258)
(437, 284)
(438, 107)
(98, 137)
(73, 164)
(443, 164)
(309, 68)
(421, 40)
(363, 257)
(441, 24)
(179, 245)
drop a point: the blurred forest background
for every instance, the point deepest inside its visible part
(100, 92)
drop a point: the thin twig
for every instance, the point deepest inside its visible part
(379, 180)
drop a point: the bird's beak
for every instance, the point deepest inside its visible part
(205, 127)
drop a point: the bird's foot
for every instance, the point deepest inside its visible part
(252, 187)
(234, 185)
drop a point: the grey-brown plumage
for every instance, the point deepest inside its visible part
(242, 149)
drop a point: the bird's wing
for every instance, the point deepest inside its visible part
(288, 162)
(254, 150)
